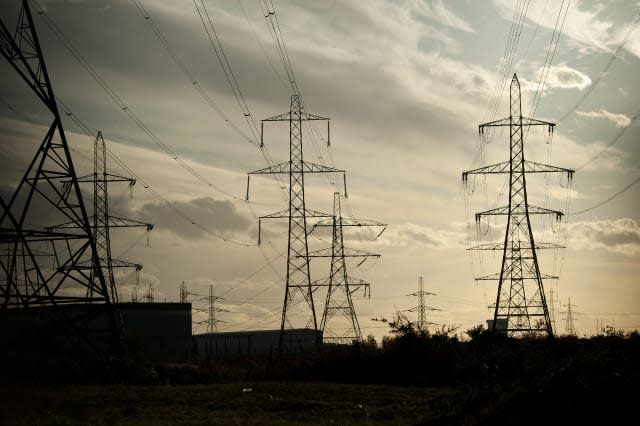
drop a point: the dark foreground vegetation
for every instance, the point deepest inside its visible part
(412, 378)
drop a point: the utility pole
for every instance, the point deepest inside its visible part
(422, 308)
(340, 286)
(298, 279)
(521, 307)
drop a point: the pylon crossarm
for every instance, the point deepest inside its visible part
(116, 263)
(508, 121)
(348, 252)
(496, 277)
(120, 222)
(529, 167)
(346, 221)
(326, 281)
(285, 214)
(519, 210)
(276, 168)
(307, 167)
(303, 116)
(492, 169)
(534, 167)
(499, 246)
(90, 178)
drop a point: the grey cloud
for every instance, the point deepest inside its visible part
(619, 235)
(205, 212)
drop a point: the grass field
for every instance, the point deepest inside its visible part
(267, 403)
(430, 380)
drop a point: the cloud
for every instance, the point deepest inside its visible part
(617, 235)
(411, 234)
(564, 77)
(620, 120)
(437, 11)
(204, 212)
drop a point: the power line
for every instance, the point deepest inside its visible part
(551, 52)
(123, 106)
(604, 71)
(614, 196)
(612, 142)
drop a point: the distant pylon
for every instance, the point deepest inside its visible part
(298, 279)
(569, 327)
(149, 294)
(422, 308)
(183, 293)
(212, 321)
(103, 221)
(340, 286)
(520, 303)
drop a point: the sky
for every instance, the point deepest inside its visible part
(405, 83)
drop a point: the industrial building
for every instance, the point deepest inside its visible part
(247, 343)
(158, 332)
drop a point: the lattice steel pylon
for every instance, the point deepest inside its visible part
(521, 307)
(212, 321)
(298, 278)
(340, 286)
(569, 327)
(39, 265)
(103, 221)
(422, 308)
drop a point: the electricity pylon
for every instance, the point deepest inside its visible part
(520, 301)
(212, 321)
(43, 266)
(569, 327)
(149, 294)
(422, 308)
(185, 293)
(298, 280)
(103, 220)
(340, 286)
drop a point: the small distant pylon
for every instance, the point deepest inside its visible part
(340, 286)
(422, 308)
(569, 327)
(149, 294)
(185, 293)
(212, 321)
(298, 279)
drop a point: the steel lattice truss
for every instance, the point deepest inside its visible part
(298, 279)
(340, 286)
(520, 301)
(103, 221)
(41, 265)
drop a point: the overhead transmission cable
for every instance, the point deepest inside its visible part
(123, 106)
(90, 133)
(216, 45)
(611, 198)
(605, 70)
(612, 142)
(551, 52)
